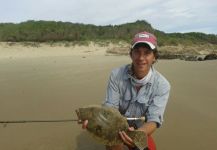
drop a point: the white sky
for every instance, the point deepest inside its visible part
(164, 15)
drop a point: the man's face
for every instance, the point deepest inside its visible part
(142, 59)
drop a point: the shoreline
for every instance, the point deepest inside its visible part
(12, 50)
(18, 50)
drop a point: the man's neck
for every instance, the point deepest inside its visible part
(140, 74)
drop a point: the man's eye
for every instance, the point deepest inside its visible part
(136, 50)
(147, 53)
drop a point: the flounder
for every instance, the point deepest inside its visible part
(104, 124)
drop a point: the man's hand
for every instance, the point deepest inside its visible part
(84, 123)
(126, 139)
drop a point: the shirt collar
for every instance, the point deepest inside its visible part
(129, 73)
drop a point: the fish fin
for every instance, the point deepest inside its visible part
(139, 138)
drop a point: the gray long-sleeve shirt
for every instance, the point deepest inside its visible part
(150, 101)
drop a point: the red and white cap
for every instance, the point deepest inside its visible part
(145, 37)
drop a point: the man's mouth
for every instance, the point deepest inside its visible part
(141, 64)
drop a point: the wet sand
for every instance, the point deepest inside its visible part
(52, 87)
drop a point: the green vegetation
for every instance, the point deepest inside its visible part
(171, 45)
(51, 31)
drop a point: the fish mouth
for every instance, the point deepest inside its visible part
(78, 115)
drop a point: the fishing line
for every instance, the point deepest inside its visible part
(5, 123)
(37, 121)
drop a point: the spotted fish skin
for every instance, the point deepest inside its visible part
(104, 124)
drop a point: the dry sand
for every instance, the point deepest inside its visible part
(50, 83)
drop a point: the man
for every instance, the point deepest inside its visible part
(137, 89)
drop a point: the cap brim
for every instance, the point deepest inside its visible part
(152, 46)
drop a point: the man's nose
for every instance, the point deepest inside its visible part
(142, 56)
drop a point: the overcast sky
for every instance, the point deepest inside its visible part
(165, 15)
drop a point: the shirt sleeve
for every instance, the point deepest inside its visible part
(112, 94)
(158, 104)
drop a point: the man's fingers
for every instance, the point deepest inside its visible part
(126, 139)
(123, 139)
(84, 125)
(131, 129)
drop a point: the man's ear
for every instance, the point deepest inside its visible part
(154, 60)
(130, 53)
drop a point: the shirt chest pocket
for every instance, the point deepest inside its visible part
(143, 100)
(144, 103)
(127, 96)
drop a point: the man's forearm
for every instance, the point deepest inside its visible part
(149, 127)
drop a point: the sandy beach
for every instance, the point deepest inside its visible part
(51, 82)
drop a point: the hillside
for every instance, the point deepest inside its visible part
(51, 31)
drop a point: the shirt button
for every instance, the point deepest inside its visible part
(127, 113)
(132, 101)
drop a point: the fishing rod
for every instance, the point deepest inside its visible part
(50, 121)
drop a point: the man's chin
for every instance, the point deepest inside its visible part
(142, 68)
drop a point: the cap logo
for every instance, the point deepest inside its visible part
(143, 36)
